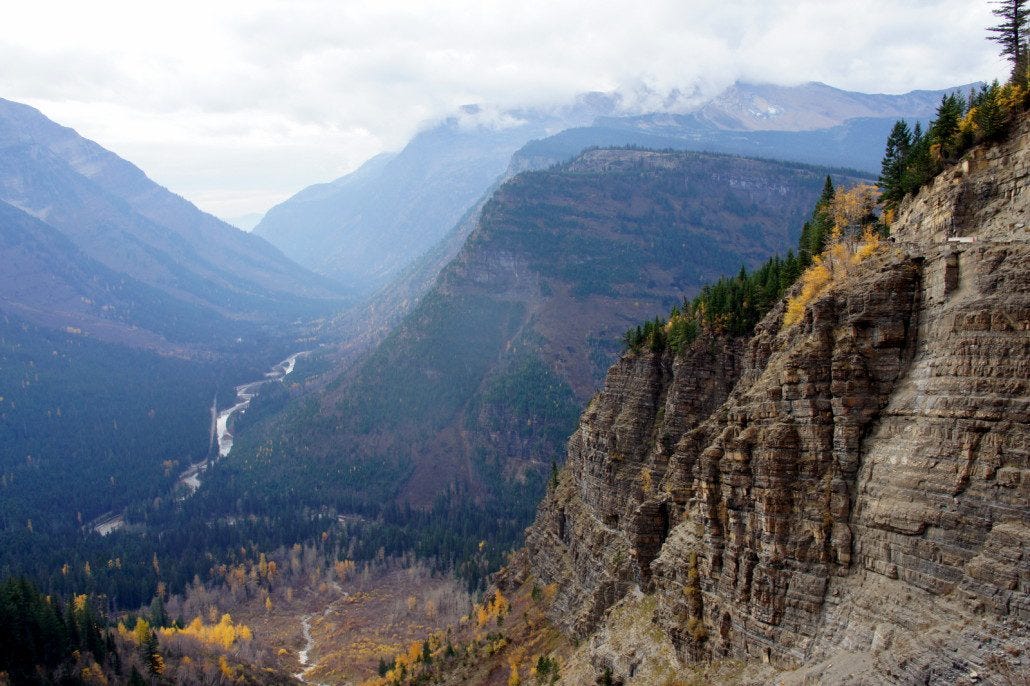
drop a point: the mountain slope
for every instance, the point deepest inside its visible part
(363, 228)
(846, 498)
(48, 280)
(116, 217)
(472, 396)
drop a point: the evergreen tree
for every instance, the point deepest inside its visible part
(893, 166)
(135, 678)
(1010, 34)
(158, 614)
(988, 114)
(944, 130)
(427, 656)
(821, 224)
(918, 168)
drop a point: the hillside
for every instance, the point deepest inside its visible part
(472, 397)
(365, 228)
(839, 501)
(124, 310)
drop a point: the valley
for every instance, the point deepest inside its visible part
(222, 422)
(578, 392)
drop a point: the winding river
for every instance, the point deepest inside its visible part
(223, 420)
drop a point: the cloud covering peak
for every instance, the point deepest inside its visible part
(238, 104)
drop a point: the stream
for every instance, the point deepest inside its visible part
(222, 420)
(309, 643)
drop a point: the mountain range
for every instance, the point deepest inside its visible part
(118, 257)
(366, 227)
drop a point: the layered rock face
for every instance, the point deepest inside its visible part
(849, 497)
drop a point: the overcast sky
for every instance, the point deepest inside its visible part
(237, 105)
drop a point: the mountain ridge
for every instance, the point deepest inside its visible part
(362, 229)
(843, 509)
(118, 218)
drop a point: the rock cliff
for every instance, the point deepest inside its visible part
(844, 500)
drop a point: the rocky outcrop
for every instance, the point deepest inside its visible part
(844, 500)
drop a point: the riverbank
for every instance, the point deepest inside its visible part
(189, 479)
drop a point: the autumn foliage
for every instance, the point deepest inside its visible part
(852, 240)
(222, 635)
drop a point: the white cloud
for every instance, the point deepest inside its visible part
(237, 104)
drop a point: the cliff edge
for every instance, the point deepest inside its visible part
(844, 500)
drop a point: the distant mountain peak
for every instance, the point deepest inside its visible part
(116, 226)
(748, 106)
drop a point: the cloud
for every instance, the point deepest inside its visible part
(239, 104)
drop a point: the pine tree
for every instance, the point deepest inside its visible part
(944, 129)
(158, 614)
(1011, 34)
(988, 115)
(918, 165)
(821, 224)
(893, 166)
(427, 655)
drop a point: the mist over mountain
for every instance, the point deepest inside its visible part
(113, 216)
(364, 228)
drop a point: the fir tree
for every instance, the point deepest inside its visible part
(988, 114)
(1010, 34)
(893, 166)
(944, 140)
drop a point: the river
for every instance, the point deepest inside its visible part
(223, 420)
(304, 656)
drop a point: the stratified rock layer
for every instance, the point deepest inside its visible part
(852, 490)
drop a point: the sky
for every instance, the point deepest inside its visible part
(236, 105)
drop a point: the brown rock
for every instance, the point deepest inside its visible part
(858, 485)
